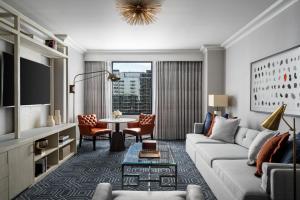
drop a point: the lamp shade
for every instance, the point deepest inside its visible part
(217, 100)
(272, 122)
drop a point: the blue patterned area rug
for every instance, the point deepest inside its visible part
(78, 177)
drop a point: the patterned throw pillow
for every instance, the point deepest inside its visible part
(270, 151)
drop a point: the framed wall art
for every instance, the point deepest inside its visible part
(275, 80)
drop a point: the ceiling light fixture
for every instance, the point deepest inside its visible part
(139, 12)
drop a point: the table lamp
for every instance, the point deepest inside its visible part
(272, 123)
(217, 101)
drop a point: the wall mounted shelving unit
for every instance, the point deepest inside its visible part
(18, 157)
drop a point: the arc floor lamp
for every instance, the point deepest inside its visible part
(272, 123)
(112, 77)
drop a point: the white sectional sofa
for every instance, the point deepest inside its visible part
(104, 192)
(224, 167)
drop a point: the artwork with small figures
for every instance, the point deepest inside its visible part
(275, 80)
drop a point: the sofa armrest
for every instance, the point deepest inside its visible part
(193, 192)
(282, 184)
(198, 128)
(267, 169)
(103, 192)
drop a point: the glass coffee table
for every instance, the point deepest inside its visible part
(161, 170)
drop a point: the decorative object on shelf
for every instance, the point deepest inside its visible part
(149, 145)
(57, 117)
(50, 121)
(40, 146)
(41, 166)
(272, 123)
(112, 77)
(217, 101)
(139, 12)
(51, 43)
(64, 152)
(275, 80)
(63, 138)
(116, 114)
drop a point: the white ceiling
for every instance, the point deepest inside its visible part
(181, 24)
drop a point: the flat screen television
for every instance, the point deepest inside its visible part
(34, 81)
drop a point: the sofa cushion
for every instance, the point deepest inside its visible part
(199, 138)
(245, 136)
(213, 151)
(238, 177)
(147, 195)
(224, 129)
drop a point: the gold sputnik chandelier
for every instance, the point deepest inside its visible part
(139, 12)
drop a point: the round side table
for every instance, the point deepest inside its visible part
(117, 140)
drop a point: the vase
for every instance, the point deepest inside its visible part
(50, 121)
(57, 117)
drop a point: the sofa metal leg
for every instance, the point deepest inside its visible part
(94, 143)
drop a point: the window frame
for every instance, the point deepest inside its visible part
(151, 62)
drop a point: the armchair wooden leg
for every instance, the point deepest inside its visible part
(109, 135)
(141, 139)
(137, 139)
(151, 136)
(94, 143)
(80, 140)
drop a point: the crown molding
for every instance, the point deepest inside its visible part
(211, 47)
(71, 43)
(272, 11)
(143, 51)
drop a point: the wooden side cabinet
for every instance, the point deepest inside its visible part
(3, 176)
(20, 161)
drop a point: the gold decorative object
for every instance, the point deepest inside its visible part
(272, 123)
(139, 12)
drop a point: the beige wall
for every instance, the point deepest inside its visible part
(281, 33)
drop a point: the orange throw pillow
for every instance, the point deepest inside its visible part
(269, 151)
(211, 125)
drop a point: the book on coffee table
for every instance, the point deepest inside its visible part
(149, 154)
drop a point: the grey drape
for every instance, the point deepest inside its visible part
(178, 98)
(94, 89)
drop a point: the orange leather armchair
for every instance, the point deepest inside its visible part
(89, 126)
(144, 126)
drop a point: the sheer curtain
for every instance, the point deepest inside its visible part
(178, 88)
(97, 90)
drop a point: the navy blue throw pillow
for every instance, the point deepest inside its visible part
(225, 115)
(287, 156)
(207, 122)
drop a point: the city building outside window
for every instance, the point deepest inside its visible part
(132, 95)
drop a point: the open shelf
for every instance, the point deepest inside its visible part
(35, 45)
(41, 176)
(67, 157)
(44, 154)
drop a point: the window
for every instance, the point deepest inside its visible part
(132, 95)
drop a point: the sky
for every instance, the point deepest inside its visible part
(132, 67)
